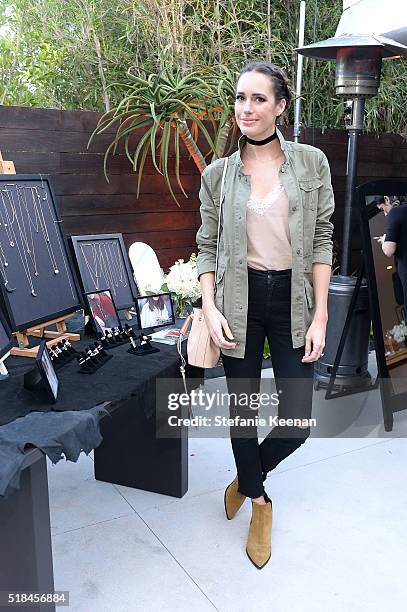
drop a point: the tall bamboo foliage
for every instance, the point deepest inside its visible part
(76, 54)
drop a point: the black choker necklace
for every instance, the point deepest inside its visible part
(261, 142)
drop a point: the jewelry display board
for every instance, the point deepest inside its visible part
(36, 278)
(103, 264)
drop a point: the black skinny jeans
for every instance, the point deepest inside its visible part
(269, 315)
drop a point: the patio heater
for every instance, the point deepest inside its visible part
(368, 32)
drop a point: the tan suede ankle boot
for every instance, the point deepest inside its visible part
(258, 547)
(233, 499)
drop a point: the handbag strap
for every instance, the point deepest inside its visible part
(219, 219)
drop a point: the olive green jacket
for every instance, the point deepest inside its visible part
(306, 178)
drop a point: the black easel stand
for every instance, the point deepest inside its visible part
(344, 335)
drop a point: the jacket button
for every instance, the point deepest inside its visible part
(240, 261)
(294, 208)
(298, 251)
(240, 307)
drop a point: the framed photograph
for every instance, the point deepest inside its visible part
(155, 310)
(102, 310)
(103, 264)
(37, 282)
(5, 337)
(383, 213)
(47, 372)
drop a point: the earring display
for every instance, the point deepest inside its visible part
(103, 264)
(93, 358)
(36, 278)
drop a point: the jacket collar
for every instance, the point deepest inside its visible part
(243, 140)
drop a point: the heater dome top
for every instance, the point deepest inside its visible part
(366, 23)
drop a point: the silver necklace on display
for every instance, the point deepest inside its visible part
(3, 222)
(59, 240)
(38, 211)
(117, 263)
(3, 271)
(22, 254)
(108, 273)
(24, 235)
(93, 272)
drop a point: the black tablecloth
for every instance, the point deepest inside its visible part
(123, 377)
(120, 378)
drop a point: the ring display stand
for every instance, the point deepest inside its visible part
(40, 331)
(141, 345)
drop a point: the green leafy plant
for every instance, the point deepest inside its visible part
(162, 103)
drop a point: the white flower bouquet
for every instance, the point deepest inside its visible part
(182, 282)
(399, 332)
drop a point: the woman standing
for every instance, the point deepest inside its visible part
(274, 267)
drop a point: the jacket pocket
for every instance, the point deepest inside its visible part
(309, 191)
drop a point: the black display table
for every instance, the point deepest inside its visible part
(130, 453)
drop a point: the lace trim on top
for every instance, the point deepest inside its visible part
(260, 205)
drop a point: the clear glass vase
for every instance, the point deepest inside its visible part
(183, 307)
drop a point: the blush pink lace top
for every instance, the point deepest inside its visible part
(268, 234)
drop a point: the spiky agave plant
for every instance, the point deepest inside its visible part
(164, 102)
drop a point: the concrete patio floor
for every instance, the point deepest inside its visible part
(339, 539)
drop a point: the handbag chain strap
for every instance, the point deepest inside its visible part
(189, 318)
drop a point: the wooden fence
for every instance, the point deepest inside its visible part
(54, 142)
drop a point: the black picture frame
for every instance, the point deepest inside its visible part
(49, 378)
(391, 401)
(98, 328)
(101, 247)
(139, 307)
(59, 291)
(6, 341)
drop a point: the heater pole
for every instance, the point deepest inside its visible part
(354, 131)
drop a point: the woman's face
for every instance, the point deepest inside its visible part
(255, 106)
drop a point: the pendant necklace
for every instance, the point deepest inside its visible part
(58, 232)
(93, 272)
(117, 263)
(38, 211)
(106, 270)
(3, 271)
(3, 222)
(22, 254)
(30, 250)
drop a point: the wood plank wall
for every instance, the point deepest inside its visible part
(54, 142)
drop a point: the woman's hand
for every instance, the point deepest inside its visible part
(218, 327)
(315, 340)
